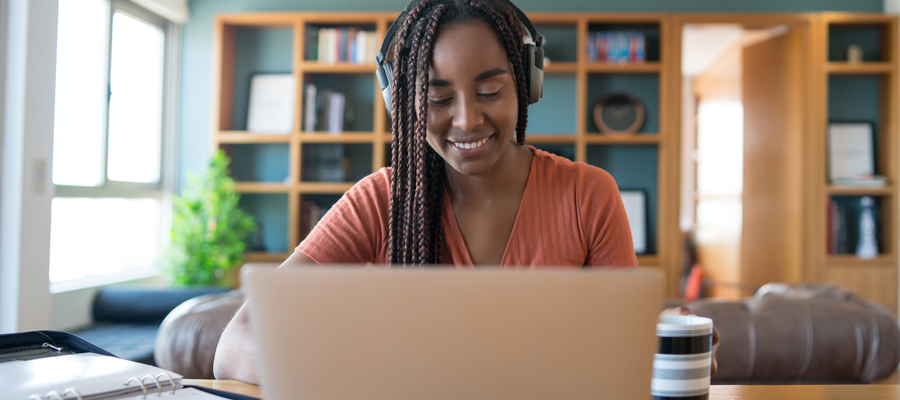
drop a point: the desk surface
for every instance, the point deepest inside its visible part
(742, 392)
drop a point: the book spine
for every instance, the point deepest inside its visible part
(312, 44)
(322, 45)
(309, 117)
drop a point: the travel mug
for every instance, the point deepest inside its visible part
(681, 365)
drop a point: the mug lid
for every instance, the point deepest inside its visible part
(683, 325)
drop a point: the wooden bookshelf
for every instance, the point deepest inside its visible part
(874, 278)
(281, 28)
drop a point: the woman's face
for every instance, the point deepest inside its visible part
(472, 100)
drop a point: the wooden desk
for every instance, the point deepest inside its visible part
(744, 392)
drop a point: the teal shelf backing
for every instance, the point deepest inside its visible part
(560, 42)
(259, 162)
(359, 90)
(842, 36)
(555, 112)
(271, 214)
(262, 51)
(634, 168)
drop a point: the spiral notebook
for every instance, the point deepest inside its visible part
(89, 376)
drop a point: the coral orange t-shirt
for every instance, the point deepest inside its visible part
(571, 215)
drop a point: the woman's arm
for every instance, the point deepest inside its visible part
(235, 354)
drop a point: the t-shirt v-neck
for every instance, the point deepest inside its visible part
(457, 243)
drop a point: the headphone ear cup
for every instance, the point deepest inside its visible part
(536, 86)
(534, 72)
(386, 76)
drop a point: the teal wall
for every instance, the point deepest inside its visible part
(196, 101)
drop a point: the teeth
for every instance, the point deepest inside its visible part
(470, 145)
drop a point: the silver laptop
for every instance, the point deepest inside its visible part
(369, 333)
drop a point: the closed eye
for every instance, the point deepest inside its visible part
(440, 102)
(490, 95)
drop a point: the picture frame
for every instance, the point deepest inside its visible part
(851, 151)
(271, 104)
(635, 202)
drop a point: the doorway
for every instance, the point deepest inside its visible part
(742, 129)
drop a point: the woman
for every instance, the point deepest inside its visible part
(463, 189)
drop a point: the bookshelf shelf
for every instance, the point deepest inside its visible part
(851, 260)
(561, 67)
(860, 68)
(336, 68)
(325, 187)
(325, 137)
(242, 137)
(861, 191)
(649, 67)
(259, 187)
(642, 138)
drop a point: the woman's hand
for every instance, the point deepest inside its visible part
(682, 310)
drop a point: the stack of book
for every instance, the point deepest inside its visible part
(866, 180)
(324, 110)
(341, 44)
(325, 163)
(616, 47)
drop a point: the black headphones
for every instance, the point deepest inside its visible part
(533, 57)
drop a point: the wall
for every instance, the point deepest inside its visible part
(30, 72)
(196, 101)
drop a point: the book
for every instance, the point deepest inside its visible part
(617, 47)
(336, 113)
(271, 105)
(89, 376)
(345, 44)
(850, 151)
(309, 108)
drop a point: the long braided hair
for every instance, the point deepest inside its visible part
(417, 181)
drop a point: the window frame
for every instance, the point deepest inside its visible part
(162, 190)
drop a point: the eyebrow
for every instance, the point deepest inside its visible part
(480, 77)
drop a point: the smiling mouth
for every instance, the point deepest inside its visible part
(470, 145)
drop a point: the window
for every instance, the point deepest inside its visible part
(109, 134)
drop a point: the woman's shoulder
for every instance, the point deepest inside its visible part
(374, 187)
(567, 173)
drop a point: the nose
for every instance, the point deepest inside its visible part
(468, 114)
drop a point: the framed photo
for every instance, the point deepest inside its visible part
(635, 202)
(271, 105)
(851, 151)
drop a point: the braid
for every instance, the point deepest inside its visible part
(511, 36)
(418, 175)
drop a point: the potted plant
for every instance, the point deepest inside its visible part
(209, 230)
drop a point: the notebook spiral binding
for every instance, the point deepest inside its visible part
(54, 395)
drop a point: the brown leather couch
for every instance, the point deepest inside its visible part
(783, 334)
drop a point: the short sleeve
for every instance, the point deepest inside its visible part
(354, 230)
(604, 221)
